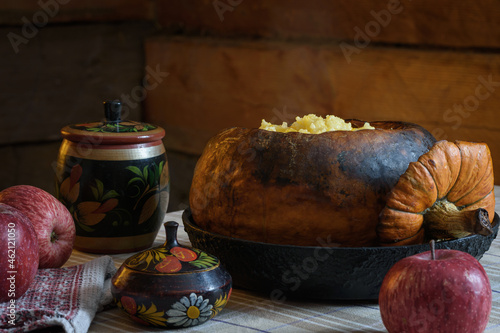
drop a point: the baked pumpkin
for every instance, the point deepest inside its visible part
(302, 189)
(447, 193)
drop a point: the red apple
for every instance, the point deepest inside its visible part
(18, 254)
(52, 221)
(449, 292)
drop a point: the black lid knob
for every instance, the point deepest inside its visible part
(113, 111)
(171, 233)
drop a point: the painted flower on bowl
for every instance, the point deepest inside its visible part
(142, 314)
(169, 264)
(189, 311)
(129, 305)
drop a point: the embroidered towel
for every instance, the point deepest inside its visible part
(68, 297)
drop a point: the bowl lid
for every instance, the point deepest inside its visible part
(171, 257)
(113, 130)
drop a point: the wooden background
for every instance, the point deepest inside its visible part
(223, 63)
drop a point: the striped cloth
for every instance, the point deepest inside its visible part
(253, 312)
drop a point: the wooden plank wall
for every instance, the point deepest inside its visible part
(232, 63)
(17, 12)
(59, 60)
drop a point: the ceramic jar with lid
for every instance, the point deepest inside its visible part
(113, 177)
(171, 286)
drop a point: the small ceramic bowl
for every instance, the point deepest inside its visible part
(333, 273)
(113, 177)
(171, 286)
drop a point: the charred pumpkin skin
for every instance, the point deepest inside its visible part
(302, 189)
(437, 196)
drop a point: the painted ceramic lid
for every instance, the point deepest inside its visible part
(171, 257)
(113, 130)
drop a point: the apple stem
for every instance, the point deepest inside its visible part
(433, 249)
(53, 237)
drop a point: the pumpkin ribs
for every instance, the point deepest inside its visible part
(446, 194)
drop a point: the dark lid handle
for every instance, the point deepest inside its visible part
(171, 233)
(113, 111)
